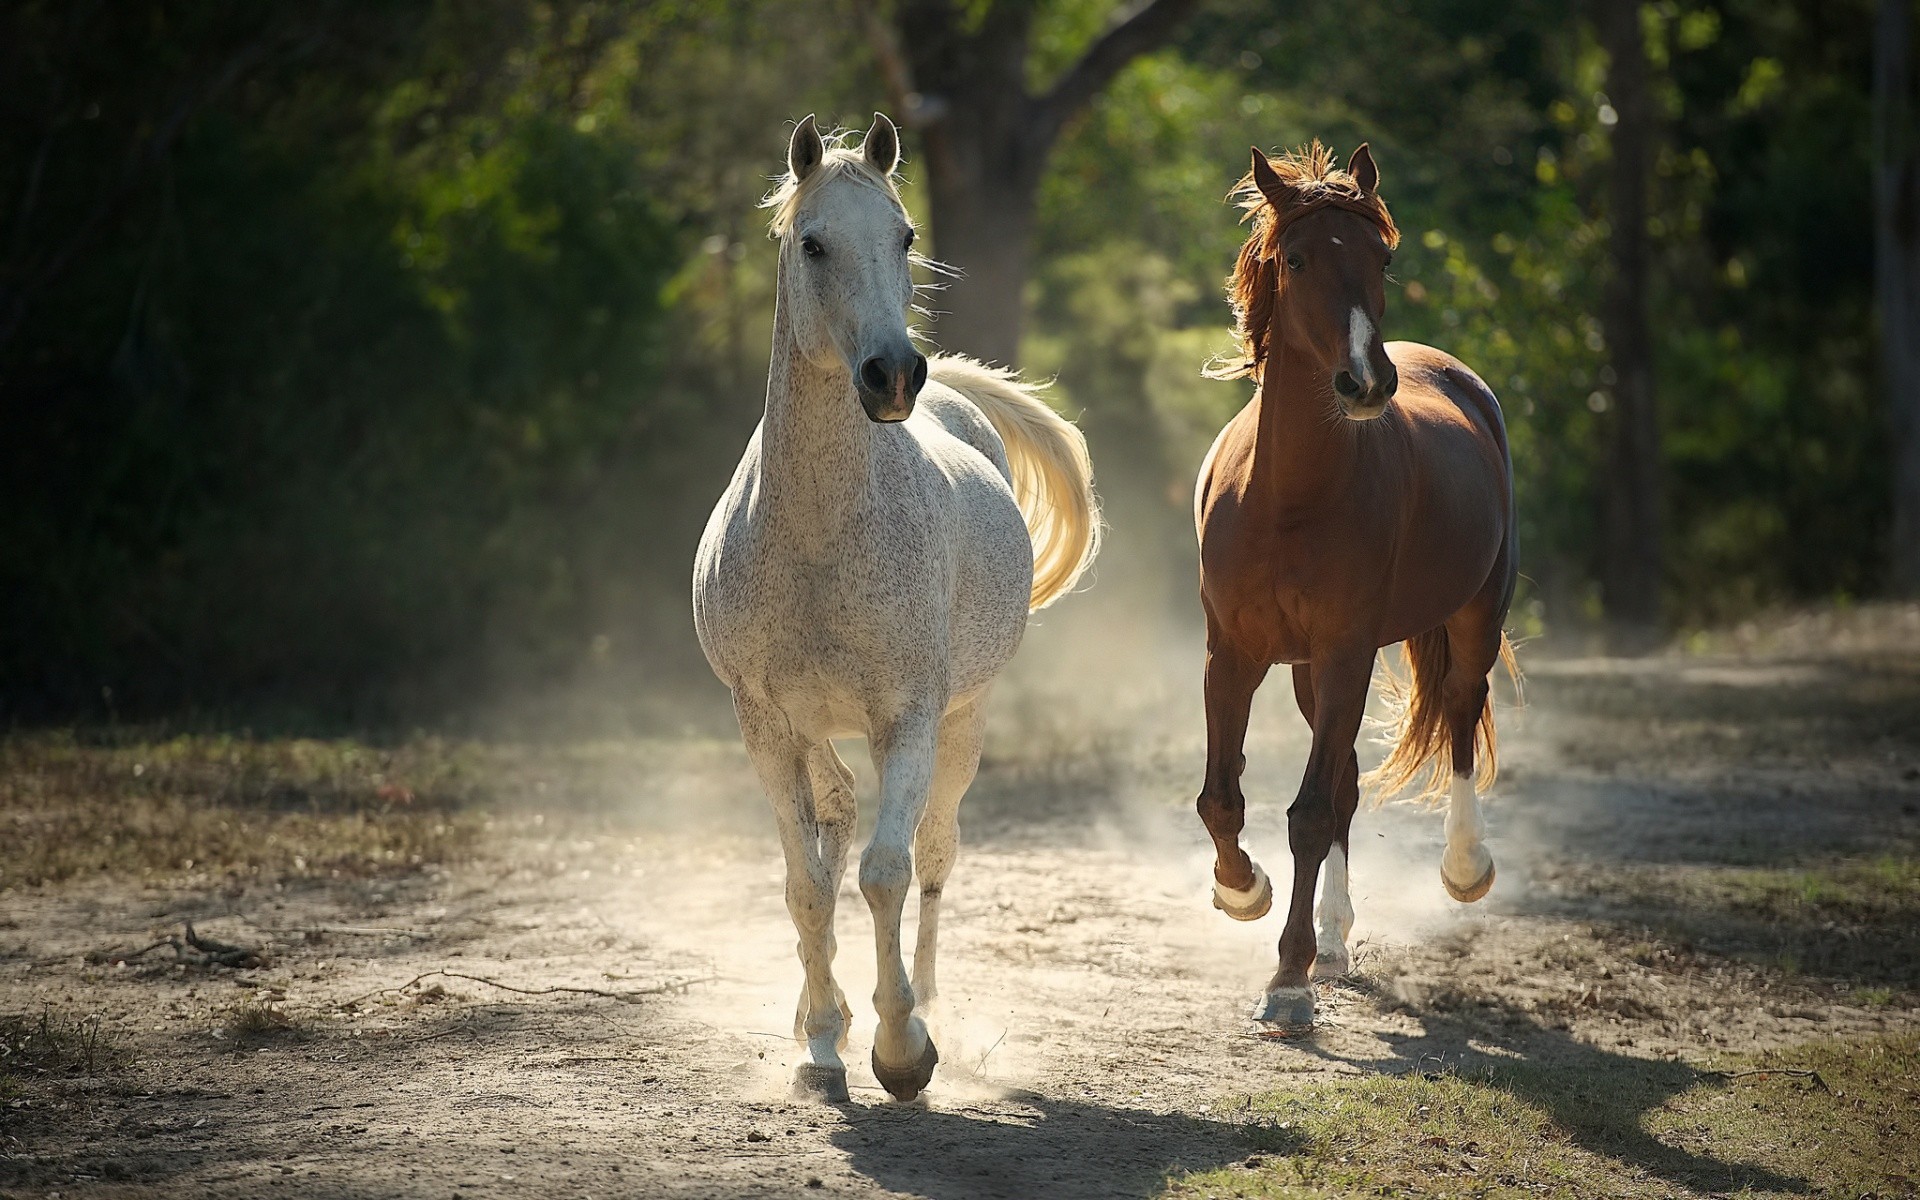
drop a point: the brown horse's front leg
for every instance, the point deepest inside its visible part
(1240, 888)
(1339, 701)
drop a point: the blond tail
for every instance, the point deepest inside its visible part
(1052, 475)
(1422, 743)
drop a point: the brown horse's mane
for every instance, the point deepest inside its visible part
(1254, 286)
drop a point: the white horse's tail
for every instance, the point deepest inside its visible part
(1052, 475)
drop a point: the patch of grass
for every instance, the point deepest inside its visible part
(1851, 919)
(139, 805)
(222, 805)
(1614, 1128)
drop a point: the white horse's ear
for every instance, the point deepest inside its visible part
(806, 149)
(1276, 190)
(883, 145)
(1363, 170)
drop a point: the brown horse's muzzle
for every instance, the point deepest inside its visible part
(1363, 400)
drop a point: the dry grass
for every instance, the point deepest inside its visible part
(49, 1043)
(250, 1022)
(1631, 1129)
(197, 808)
(213, 806)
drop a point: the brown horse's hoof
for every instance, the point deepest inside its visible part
(1248, 905)
(1286, 1007)
(1467, 895)
(904, 1083)
(815, 1081)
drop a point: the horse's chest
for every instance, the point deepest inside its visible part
(1268, 590)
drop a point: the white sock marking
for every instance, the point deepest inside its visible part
(1466, 858)
(1336, 906)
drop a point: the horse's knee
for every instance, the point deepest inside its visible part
(810, 905)
(1310, 826)
(885, 873)
(1223, 813)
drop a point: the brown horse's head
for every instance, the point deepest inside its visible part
(1313, 273)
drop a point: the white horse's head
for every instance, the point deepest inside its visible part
(845, 248)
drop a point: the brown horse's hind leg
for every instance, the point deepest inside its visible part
(1241, 889)
(1333, 916)
(1473, 646)
(1339, 700)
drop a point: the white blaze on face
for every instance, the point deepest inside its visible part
(1359, 337)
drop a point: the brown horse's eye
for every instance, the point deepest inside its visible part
(1295, 262)
(1389, 261)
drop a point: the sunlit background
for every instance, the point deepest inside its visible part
(373, 364)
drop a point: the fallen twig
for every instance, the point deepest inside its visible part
(205, 951)
(632, 996)
(982, 1067)
(349, 931)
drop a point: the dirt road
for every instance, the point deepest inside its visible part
(1664, 833)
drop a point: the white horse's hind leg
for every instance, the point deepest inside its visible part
(903, 1054)
(956, 759)
(834, 812)
(1466, 866)
(1334, 918)
(782, 765)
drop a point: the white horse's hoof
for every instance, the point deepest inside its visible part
(1248, 905)
(1473, 891)
(1287, 1007)
(1332, 962)
(816, 1081)
(904, 1083)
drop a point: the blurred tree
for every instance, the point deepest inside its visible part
(1896, 145)
(958, 73)
(1631, 496)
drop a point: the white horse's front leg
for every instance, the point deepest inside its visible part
(782, 765)
(903, 1054)
(835, 812)
(956, 759)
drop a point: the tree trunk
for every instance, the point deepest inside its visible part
(984, 231)
(1631, 572)
(1896, 193)
(957, 74)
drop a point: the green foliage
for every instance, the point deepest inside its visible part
(1488, 121)
(370, 361)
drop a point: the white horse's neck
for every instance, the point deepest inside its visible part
(814, 446)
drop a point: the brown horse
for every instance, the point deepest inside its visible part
(1363, 497)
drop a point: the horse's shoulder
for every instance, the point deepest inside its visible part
(949, 411)
(1437, 386)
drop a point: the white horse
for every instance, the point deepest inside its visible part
(869, 571)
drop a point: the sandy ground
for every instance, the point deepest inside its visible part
(1094, 1032)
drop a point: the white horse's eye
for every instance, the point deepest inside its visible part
(812, 247)
(909, 242)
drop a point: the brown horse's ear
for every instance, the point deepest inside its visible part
(1275, 189)
(806, 150)
(882, 146)
(1363, 170)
